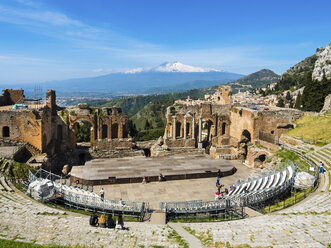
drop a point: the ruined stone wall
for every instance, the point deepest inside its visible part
(10, 97)
(113, 144)
(242, 119)
(24, 126)
(277, 122)
(265, 123)
(15, 96)
(107, 124)
(180, 143)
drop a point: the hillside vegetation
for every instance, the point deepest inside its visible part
(314, 128)
(296, 76)
(259, 79)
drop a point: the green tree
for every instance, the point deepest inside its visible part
(83, 131)
(147, 125)
(288, 96)
(298, 102)
(315, 93)
(132, 130)
(281, 102)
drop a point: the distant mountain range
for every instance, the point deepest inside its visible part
(165, 78)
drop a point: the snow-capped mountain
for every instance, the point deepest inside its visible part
(171, 67)
(167, 77)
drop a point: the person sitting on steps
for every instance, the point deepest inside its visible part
(102, 221)
(110, 221)
(120, 223)
(94, 219)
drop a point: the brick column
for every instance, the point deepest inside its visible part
(200, 129)
(193, 127)
(174, 127)
(185, 131)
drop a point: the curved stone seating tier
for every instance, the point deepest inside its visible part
(252, 192)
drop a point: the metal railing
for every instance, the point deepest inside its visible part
(229, 203)
(79, 198)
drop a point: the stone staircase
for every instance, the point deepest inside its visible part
(32, 149)
(314, 155)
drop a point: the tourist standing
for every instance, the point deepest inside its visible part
(102, 194)
(217, 181)
(321, 169)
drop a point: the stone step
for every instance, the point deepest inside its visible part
(5, 185)
(320, 158)
(316, 160)
(324, 154)
(326, 181)
(326, 151)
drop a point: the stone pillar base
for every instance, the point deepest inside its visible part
(200, 145)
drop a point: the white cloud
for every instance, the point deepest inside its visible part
(28, 3)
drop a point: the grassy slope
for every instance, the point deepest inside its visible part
(313, 128)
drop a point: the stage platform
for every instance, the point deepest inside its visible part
(132, 169)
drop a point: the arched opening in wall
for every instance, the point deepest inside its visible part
(82, 131)
(59, 132)
(147, 152)
(206, 133)
(223, 128)
(104, 131)
(188, 129)
(5, 132)
(259, 160)
(245, 138)
(178, 129)
(114, 131)
(285, 126)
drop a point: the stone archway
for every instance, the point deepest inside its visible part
(104, 131)
(246, 136)
(93, 135)
(245, 139)
(223, 128)
(178, 129)
(259, 158)
(114, 131)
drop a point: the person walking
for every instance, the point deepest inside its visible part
(102, 194)
(217, 181)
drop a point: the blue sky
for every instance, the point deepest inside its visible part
(59, 39)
